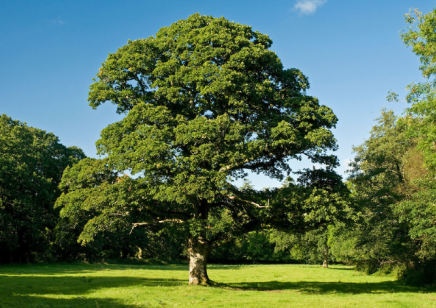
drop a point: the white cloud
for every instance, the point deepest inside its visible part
(57, 22)
(308, 6)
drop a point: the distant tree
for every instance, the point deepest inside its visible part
(310, 247)
(31, 166)
(205, 102)
(321, 189)
(163, 242)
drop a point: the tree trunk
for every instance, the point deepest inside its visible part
(325, 264)
(198, 251)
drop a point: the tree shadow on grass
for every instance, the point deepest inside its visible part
(79, 302)
(75, 285)
(46, 291)
(315, 287)
(217, 266)
(55, 269)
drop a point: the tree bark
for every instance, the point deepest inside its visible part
(325, 264)
(198, 251)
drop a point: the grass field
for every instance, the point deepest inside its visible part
(110, 285)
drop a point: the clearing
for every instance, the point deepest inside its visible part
(125, 286)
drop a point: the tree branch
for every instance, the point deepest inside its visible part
(243, 165)
(247, 201)
(154, 222)
(140, 83)
(232, 167)
(173, 215)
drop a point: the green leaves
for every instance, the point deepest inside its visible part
(318, 199)
(417, 209)
(421, 37)
(31, 166)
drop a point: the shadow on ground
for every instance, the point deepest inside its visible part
(314, 287)
(79, 268)
(38, 291)
(31, 302)
(245, 266)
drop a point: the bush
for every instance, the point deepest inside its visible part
(418, 274)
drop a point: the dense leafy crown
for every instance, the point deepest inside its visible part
(206, 101)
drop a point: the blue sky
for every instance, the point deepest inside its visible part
(350, 50)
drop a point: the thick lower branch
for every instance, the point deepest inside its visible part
(172, 215)
(247, 201)
(253, 166)
(136, 224)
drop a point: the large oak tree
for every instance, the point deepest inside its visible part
(206, 101)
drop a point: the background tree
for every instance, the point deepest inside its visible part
(310, 248)
(378, 181)
(383, 176)
(418, 209)
(320, 190)
(31, 166)
(205, 102)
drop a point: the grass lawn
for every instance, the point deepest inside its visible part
(112, 285)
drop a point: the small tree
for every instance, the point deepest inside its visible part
(205, 102)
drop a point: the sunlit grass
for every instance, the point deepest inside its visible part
(110, 285)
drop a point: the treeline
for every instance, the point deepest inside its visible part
(58, 205)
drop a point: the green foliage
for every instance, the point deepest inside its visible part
(256, 246)
(318, 198)
(310, 248)
(379, 180)
(417, 209)
(31, 166)
(104, 193)
(418, 274)
(418, 212)
(420, 119)
(420, 35)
